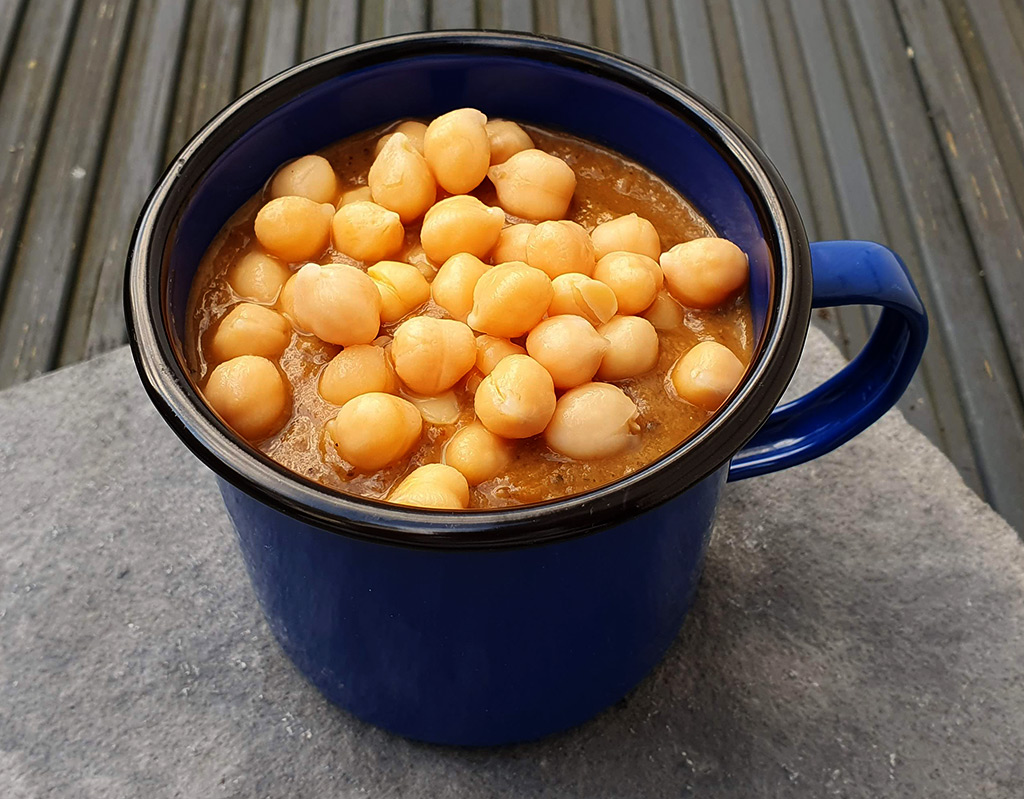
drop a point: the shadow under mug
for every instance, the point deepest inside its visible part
(488, 627)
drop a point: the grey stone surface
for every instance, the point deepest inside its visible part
(859, 632)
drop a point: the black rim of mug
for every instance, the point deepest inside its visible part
(159, 361)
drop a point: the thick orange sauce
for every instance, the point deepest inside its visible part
(608, 186)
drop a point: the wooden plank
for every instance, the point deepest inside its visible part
(133, 157)
(517, 15)
(1014, 11)
(666, 51)
(329, 25)
(10, 20)
(404, 16)
(634, 28)
(452, 14)
(952, 433)
(962, 315)
(997, 72)
(209, 71)
(995, 223)
(27, 97)
(575, 21)
(605, 25)
(41, 278)
(272, 36)
(697, 59)
(546, 17)
(730, 62)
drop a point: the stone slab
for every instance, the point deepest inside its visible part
(859, 632)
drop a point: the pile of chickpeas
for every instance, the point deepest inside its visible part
(537, 317)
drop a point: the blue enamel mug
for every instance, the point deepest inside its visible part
(494, 626)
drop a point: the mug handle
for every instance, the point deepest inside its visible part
(846, 273)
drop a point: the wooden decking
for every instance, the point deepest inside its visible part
(898, 121)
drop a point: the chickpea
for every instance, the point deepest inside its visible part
(367, 232)
(458, 150)
(511, 244)
(361, 194)
(568, 347)
(635, 279)
(286, 303)
(516, 399)
(434, 485)
(477, 453)
(311, 176)
(249, 394)
(359, 369)
(630, 233)
(632, 348)
(400, 179)
(415, 256)
(432, 355)
(444, 409)
(703, 273)
(509, 300)
(506, 139)
(534, 185)
(413, 130)
(337, 303)
(460, 224)
(706, 375)
(402, 289)
(374, 430)
(452, 289)
(664, 313)
(560, 247)
(592, 421)
(491, 349)
(580, 295)
(294, 228)
(249, 329)
(258, 277)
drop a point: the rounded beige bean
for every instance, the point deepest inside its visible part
(706, 375)
(533, 184)
(593, 421)
(630, 233)
(367, 232)
(249, 329)
(506, 139)
(434, 485)
(516, 399)
(359, 369)
(294, 228)
(402, 289)
(360, 194)
(258, 277)
(704, 273)
(664, 313)
(286, 303)
(452, 289)
(432, 355)
(560, 247)
(337, 303)
(401, 181)
(511, 245)
(580, 295)
(413, 130)
(568, 347)
(460, 224)
(311, 176)
(250, 395)
(635, 279)
(374, 430)
(632, 348)
(491, 349)
(458, 150)
(509, 300)
(477, 453)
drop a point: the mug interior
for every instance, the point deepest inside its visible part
(549, 83)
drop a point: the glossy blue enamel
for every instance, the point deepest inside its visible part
(485, 643)
(481, 647)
